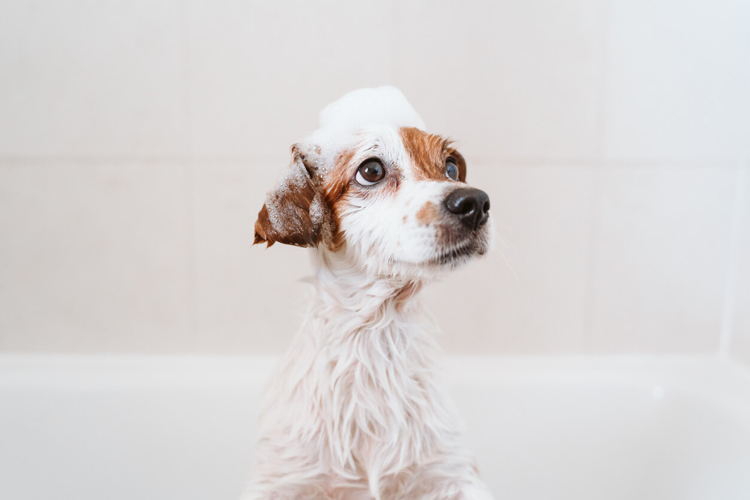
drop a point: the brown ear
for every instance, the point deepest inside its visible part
(294, 212)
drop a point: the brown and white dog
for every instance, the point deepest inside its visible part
(354, 410)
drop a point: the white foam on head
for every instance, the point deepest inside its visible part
(369, 108)
(360, 110)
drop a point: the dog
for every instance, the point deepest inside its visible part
(355, 411)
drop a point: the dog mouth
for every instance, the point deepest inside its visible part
(456, 253)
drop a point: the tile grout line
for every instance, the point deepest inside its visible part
(730, 285)
(590, 283)
(191, 316)
(595, 196)
(604, 79)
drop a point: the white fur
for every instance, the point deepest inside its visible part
(355, 410)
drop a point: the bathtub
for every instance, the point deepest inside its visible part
(138, 428)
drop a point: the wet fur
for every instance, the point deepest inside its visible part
(355, 410)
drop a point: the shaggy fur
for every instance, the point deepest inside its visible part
(354, 410)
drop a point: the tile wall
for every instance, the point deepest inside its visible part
(137, 141)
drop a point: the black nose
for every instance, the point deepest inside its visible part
(470, 205)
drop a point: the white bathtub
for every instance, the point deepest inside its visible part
(107, 428)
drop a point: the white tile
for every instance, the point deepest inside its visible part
(248, 298)
(740, 347)
(94, 258)
(661, 249)
(678, 80)
(261, 71)
(92, 78)
(528, 295)
(509, 79)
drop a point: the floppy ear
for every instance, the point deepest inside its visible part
(294, 211)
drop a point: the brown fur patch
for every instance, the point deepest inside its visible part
(285, 216)
(427, 213)
(334, 191)
(429, 153)
(293, 213)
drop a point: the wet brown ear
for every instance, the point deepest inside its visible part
(294, 211)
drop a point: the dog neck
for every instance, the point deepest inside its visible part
(349, 289)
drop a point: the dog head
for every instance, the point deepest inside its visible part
(371, 184)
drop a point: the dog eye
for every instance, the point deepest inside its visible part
(370, 172)
(451, 169)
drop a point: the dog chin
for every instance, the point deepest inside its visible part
(441, 261)
(460, 253)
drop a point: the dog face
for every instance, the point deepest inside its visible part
(393, 199)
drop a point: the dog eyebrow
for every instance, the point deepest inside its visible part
(428, 153)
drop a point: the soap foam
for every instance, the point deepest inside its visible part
(360, 110)
(370, 107)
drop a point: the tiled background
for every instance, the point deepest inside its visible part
(137, 140)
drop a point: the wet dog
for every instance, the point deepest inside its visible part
(354, 410)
